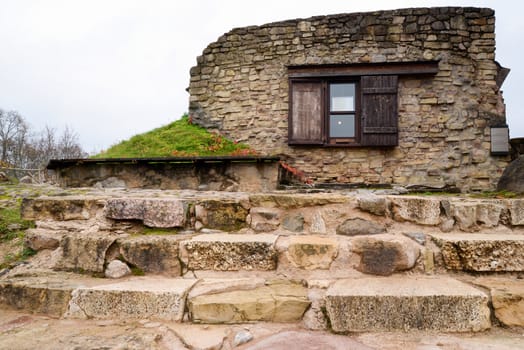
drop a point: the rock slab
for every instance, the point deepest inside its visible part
(60, 209)
(402, 304)
(482, 252)
(271, 302)
(230, 252)
(152, 254)
(424, 211)
(507, 298)
(312, 252)
(82, 252)
(36, 295)
(161, 213)
(138, 298)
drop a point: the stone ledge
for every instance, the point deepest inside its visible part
(138, 298)
(481, 252)
(230, 252)
(405, 303)
(277, 301)
(507, 298)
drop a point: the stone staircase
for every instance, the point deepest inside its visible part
(345, 261)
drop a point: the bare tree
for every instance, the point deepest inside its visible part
(13, 134)
(21, 149)
(68, 145)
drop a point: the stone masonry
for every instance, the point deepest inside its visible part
(239, 88)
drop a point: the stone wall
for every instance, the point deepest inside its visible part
(254, 174)
(239, 88)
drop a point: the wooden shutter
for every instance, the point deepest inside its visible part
(379, 110)
(305, 114)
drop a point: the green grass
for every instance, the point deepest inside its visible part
(496, 194)
(180, 138)
(12, 225)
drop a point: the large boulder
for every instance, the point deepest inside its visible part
(385, 254)
(512, 178)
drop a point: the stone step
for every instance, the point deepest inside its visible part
(482, 252)
(210, 301)
(394, 303)
(230, 252)
(348, 305)
(296, 212)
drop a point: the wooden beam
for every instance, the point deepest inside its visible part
(359, 69)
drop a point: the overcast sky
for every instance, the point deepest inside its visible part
(111, 69)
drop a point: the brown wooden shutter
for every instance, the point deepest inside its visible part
(305, 114)
(379, 110)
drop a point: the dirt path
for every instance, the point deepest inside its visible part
(25, 331)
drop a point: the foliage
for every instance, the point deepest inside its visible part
(180, 139)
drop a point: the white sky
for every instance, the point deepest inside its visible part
(111, 69)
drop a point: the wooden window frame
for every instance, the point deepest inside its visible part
(365, 135)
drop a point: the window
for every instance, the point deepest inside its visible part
(344, 112)
(350, 105)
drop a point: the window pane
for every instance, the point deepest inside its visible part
(342, 125)
(342, 97)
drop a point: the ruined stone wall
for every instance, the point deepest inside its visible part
(239, 87)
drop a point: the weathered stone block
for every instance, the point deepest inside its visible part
(424, 211)
(272, 302)
(312, 252)
(481, 252)
(138, 298)
(84, 252)
(471, 215)
(517, 212)
(507, 298)
(222, 214)
(230, 252)
(296, 200)
(293, 223)
(60, 209)
(373, 204)
(153, 254)
(264, 219)
(162, 213)
(35, 295)
(405, 303)
(385, 254)
(39, 239)
(358, 226)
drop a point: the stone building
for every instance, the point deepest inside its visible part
(408, 97)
